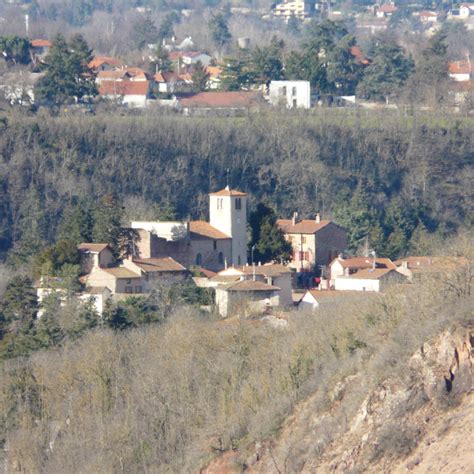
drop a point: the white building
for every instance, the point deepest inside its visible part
(300, 9)
(370, 279)
(292, 94)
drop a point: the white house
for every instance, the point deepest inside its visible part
(369, 279)
(460, 70)
(131, 93)
(292, 94)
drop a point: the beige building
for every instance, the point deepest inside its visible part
(315, 242)
(94, 256)
(116, 279)
(212, 245)
(246, 297)
(300, 9)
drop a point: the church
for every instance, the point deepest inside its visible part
(213, 245)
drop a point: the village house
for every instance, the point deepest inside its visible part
(135, 94)
(386, 10)
(95, 255)
(168, 82)
(213, 245)
(270, 273)
(464, 12)
(190, 58)
(427, 16)
(300, 9)
(460, 71)
(39, 49)
(415, 268)
(122, 74)
(315, 242)
(119, 280)
(246, 296)
(348, 266)
(369, 279)
(290, 94)
(104, 63)
(313, 299)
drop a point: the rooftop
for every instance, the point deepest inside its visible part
(41, 43)
(460, 67)
(98, 61)
(370, 274)
(91, 247)
(230, 99)
(305, 226)
(365, 262)
(251, 285)
(166, 264)
(121, 272)
(228, 192)
(113, 88)
(204, 229)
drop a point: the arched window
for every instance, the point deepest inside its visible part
(220, 258)
(239, 261)
(199, 259)
(238, 203)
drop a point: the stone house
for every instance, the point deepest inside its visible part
(315, 242)
(95, 255)
(117, 279)
(212, 245)
(255, 297)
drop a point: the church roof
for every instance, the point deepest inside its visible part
(228, 192)
(204, 229)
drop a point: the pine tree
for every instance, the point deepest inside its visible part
(200, 76)
(67, 78)
(76, 223)
(107, 221)
(219, 29)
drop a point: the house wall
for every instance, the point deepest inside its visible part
(90, 260)
(305, 243)
(292, 94)
(231, 302)
(138, 101)
(308, 302)
(209, 250)
(356, 284)
(231, 221)
(283, 282)
(331, 240)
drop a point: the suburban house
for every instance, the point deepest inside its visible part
(214, 81)
(246, 295)
(315, 242)
(168, 82)
(271, 273)
(39, 49)
(300, 9)
(95, 255)
(428, 16)
(290, 94)
(104, 63)
(119, 280)
(213, 245)
(122, 74)
(369, 279)
(190, 58)
(348, 266)
(460, 70)
(417, 267)
(386, 10)
(130, 93)
(464, 12)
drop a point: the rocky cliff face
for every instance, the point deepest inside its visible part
(419, 422)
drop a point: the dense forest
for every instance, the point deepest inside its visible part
(402, 181)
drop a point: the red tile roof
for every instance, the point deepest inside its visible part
(387, 8)
(100, 60)
(121, 272)
(370, 274)
(204, 272)
(41, 43)
(114, 88)
(231, 99)
(365, 262)
(166, 76)
(305, 226)
(204, 229)
(460, 67)
(228, 192)
(358, 55)
(92, 247)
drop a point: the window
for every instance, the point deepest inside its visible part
(293, 91)
(220, 203)
(283, 91)
(295, 103)
(220, 258)
(199, 259)
(238, 203)
(214, 244)
(138, 289)
(129, 281)
(303, 239)
(129, 289)
(239, 261)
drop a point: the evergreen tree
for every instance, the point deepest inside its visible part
(67, 77)
(167, 26)
(200, 76)
(145, 32)
(79, 47)
(219, 29)
(161, 60)
(267, 64)
(267, 239)
(48, 331)
(387, 73)
(107, 221)
(15, 49)
(236, 75)
(76, 223)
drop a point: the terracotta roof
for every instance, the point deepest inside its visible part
(329, 294)
(214, 71)
(100, 60)
(250, 285)
(428, 14)
(225, 278)
(359, 55)
(460, 67)
(175, 55)
(230, 99)
(166, 76)
(121, 272)
(95, 290)
(204, 272)
(115, 88)
(228, 192)
(41, 43)
(387, 8)
(96, 248)
(369, 274)
(166, 264)
(305, 226)
(365, 262)
(434, 264)
(204, 229)
(132, 72)
(273, 269)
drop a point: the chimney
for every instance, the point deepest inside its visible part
(295, 218)
(318, 218)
